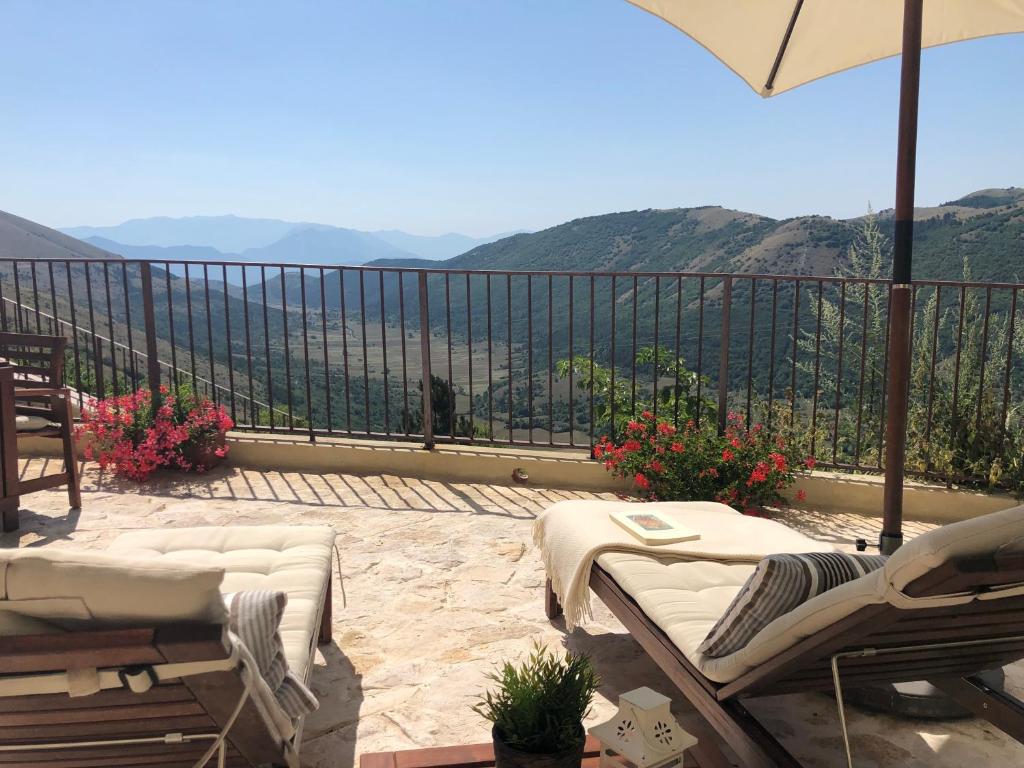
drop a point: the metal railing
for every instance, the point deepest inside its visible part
(549, 358)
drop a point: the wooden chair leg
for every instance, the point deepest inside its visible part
(998, 707)
(552, 608)
(9, 514)
(70, 459)
(326, 630)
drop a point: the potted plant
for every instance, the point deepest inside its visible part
(537, 710)
(134, 437)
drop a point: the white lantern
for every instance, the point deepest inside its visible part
(643, 733)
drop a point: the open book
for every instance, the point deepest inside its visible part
(653, 528)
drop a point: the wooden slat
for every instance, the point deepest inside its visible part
(165, 692)
(999, 708)
(75, 650)
(112, 729)
(101, 714)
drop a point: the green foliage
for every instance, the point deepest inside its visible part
(676, 393)
(539, 705)
(442, 402)
(745, 468)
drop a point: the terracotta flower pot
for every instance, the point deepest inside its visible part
(207, 454)
(508, 757)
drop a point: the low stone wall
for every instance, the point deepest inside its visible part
(566, 469)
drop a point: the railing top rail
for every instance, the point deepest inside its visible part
(834, 279)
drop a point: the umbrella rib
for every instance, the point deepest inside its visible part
(770, 84)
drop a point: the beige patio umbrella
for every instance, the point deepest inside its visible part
(777, 45)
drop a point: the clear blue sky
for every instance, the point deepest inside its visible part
(456, 115)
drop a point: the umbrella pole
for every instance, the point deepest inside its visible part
(900, 306)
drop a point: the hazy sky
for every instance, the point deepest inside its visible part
(457, 115)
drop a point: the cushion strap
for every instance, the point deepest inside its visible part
(901, 599)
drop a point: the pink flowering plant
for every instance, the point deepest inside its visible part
(134, 439)
(747, 468)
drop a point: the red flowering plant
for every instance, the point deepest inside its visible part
(747, 467)
(134, 439)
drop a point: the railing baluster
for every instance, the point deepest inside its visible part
(981, 360)
(149, 328)
(750, 350)
(366, 358)
(632, 352)
(427, 405)
(452, 404)
(266, 348)
(771, 354)
(679, 351)
(305, 354)
(191, 331)
(839, 371)
(551, 367)
(1011, 327)
(170, 324)
(529, 355)
(384, 355)
(74, 333)
(931, 376)
(508, 305)
(796, 344)
(253, 413)
(490, 363)
(469, 352)
(230, 348)
(864, 341)
(127, 320)
(657, 322)
(287, 351)
(110, 323)
(591, 347)
(209, 333)
(723, 357)
(700, 351)
(817, 370)
(611, 366)
(344, 352)
(405, 364)
(572, 363)
(323, 333)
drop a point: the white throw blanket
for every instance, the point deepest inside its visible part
(573, 534)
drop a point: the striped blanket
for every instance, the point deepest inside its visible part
(255, 617)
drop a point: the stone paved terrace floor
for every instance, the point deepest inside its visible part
(441, 583)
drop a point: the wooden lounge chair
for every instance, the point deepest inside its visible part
(145, 623)
(947, 606)
(33, 401)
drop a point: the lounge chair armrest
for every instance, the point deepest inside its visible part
(29, 393)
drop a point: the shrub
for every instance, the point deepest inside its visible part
(131, 437)
(539, 705)
(744, 468)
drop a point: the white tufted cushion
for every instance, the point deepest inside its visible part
(295, 560)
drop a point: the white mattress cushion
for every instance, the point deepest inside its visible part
(682, 598)
(295, 560)
(69, 588)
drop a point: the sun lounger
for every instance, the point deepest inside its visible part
(123, 657)
(946, 606)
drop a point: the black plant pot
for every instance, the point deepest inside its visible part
(507, 757)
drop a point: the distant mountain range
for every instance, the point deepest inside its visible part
(986, 226)
(235, 238)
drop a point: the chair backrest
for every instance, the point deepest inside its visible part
(37, 360)
(954, 607)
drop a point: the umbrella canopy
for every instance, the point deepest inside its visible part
(777, 45)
